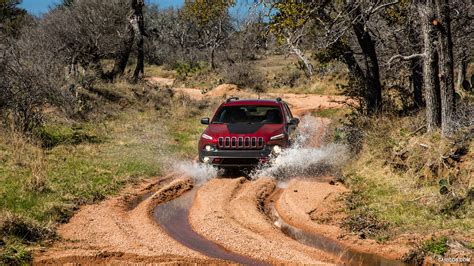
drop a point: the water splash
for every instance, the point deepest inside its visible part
(303, 160)
(199, 172)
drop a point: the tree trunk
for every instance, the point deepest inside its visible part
(356, 75)
(430, 68)
(132, 29)
(372, 71)
(446, 73)
(212, 57)
(417, 81)
(462, 72)
(416, 66)
(139, 28)
(121, 59)
(309, 69)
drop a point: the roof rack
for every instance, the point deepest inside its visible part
(278, 99)
(232, 99)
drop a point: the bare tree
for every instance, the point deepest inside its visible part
(446, 69)
(430, 74)
(134, 31)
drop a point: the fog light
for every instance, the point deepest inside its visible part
(206, 159)
(276, 149)
(208, 148)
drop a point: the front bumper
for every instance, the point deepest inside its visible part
(236, 158)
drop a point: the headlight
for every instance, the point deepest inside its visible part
(208, 148)
(206, 159)
(277, 137)
(205, 136)
(276, 149)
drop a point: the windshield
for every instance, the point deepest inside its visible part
(249, 114)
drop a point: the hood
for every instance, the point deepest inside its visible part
(244, 130)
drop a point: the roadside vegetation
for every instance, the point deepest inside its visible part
(79, 120)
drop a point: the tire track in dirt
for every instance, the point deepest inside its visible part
(230, 213)
(300, 207)
(120, 230)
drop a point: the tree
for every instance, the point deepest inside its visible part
(430, 67)
(342, 24)
(134, 30)
(12, 17)
(212, 23)
(289, 24)
(446, 65)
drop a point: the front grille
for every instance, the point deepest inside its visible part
(240, 143)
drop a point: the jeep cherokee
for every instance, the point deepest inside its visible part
(246, 133)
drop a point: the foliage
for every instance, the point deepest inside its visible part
(244, 75)
(15, 254)
(289, 16)
(400, 173)
(205, 12)
(437, 246)
(12, 17)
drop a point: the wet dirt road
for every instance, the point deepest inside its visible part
(223, 221)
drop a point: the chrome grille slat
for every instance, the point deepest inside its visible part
(240, 142)
(227, 141)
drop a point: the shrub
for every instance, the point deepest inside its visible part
(244, 75)
(23, 228)
(53, 135)
(15, 254)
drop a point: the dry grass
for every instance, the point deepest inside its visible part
(280, 73)
(417, 182)
(159, 71)
(89, 161)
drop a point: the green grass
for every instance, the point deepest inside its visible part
(335, 114)
(436, 246)
(46, 186)
(409, 199)
(15, 253)
(80, 173)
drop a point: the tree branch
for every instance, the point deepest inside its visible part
(383, 6)
(404, 57)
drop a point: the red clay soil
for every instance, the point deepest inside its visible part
(119, 230)
(230, 213)
(315, 207)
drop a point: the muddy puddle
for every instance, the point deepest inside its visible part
(173, 216)
(348, 256)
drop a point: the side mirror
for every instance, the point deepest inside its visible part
(294, 121)
(205, 121)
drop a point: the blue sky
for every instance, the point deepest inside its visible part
(38, 7)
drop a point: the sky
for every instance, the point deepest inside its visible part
(38, 7)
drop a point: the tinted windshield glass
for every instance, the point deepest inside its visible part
(249, 114)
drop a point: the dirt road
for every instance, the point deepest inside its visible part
(168, 220)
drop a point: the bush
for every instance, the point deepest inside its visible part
(15, 254)
(53, 135)
(244, 75)
(23, 228)
(185, 69)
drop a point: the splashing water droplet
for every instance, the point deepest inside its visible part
(301, 160)
(199, 172)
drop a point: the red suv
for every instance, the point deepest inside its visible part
(245, 133)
